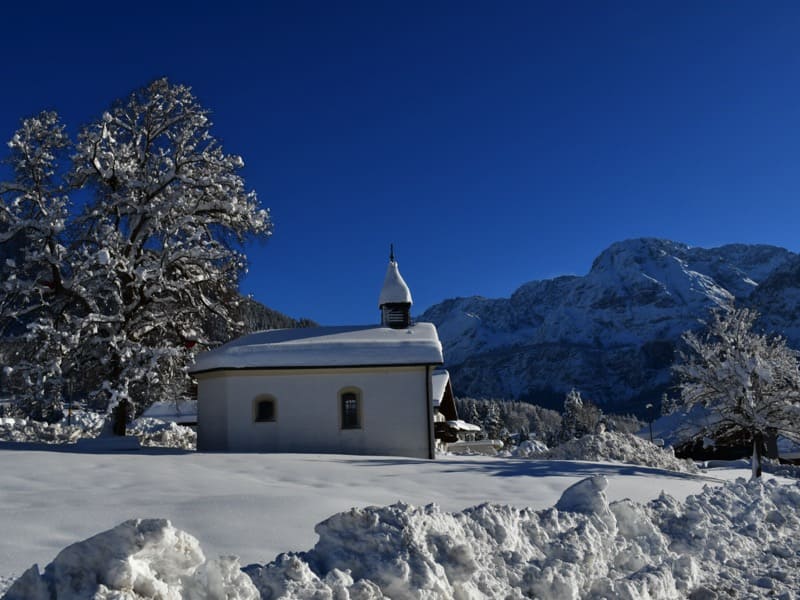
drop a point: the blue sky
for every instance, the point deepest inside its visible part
(493, 143)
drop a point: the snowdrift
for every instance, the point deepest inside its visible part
(740, 537)
(618, 447)
(137, 559)
(28, 430)
(87, 425)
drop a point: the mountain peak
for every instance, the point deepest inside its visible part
(637, 250)
(610, 333)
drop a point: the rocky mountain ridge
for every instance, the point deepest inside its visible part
(611, 333)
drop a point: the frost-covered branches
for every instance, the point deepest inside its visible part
(751, 382)
(33, 261)
(33, 212)
(150, 268)
(161, 236)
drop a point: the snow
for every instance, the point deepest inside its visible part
(439, 380)
(327, 346)
(88, 431)
(621, 447)
(739, 536)
(394, 290)
(256, 506)
(184, 411)
(462, 425)
(149, 557)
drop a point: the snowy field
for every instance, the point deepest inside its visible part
(256, 506)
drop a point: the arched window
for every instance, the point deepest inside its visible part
(350, 406)
(264, 409)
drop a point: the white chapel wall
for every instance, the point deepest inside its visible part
(394, 411)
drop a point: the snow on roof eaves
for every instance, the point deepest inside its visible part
(439, 381)
(327, 347)
(394, 290)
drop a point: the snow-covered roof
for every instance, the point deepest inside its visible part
(463, 425)
(394, 288)
(439, 381)
(177, 412)
(350, 346)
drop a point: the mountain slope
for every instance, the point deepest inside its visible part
(612, 332)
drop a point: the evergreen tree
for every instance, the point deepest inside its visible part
(472, 413)
(492, 423)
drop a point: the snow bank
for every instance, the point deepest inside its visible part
(527, 449)
(164, 434)
(619, 447)
(27, 430)
(137, 559)
(738, 539)
(85, 424)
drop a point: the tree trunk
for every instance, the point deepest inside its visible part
(756, 461)
(772, 443)
(121, 418)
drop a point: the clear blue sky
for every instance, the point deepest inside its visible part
(494, 143)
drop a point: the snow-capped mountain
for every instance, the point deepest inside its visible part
(611, 333)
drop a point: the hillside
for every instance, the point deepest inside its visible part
(257, 317)
(611, 333)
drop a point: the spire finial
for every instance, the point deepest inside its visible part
(391, 252)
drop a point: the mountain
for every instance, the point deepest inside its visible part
(611, 333)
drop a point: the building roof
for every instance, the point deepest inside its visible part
(349, 346)
(463, 425)
(184, 411)
(395, 290)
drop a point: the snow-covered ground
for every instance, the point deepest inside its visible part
(256, 506)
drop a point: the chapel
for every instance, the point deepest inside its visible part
(363, 389)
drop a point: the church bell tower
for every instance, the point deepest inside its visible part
(395, 299)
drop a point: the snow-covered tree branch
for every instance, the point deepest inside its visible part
(149, 270)
(750, 382)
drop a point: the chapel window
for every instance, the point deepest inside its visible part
(264, 409)
(351, 410)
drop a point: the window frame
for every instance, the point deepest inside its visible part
(350, 394)
(257, 401)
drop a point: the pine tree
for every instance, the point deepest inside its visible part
(492, 423)
(472, 413)
(570, 423)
